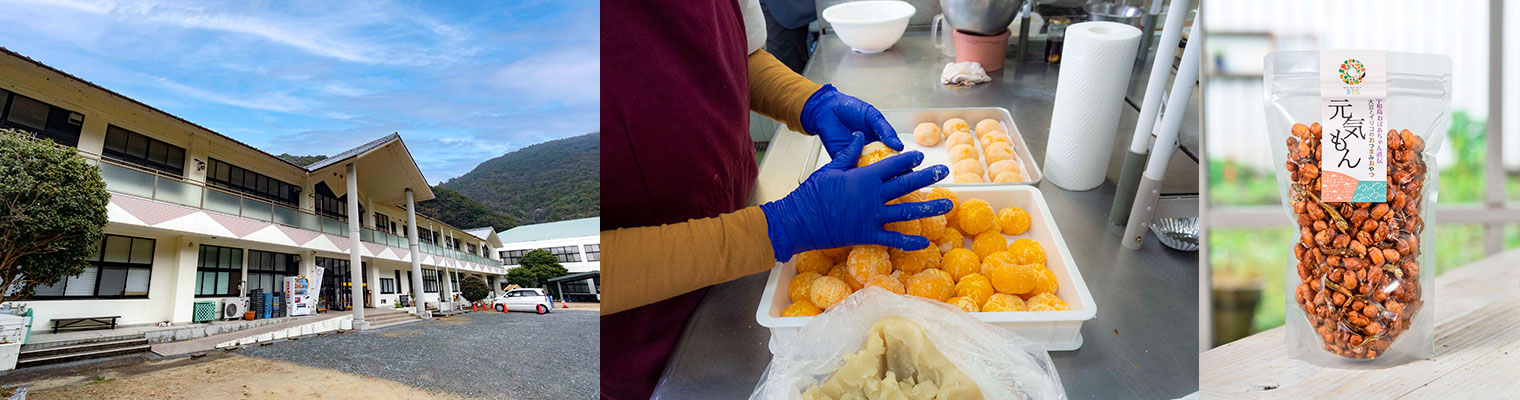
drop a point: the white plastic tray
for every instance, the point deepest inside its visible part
(904, 121)
(1057, 330)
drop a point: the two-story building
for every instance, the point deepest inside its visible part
(196, 215)
(576, 244)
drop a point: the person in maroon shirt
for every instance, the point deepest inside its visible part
(678, 167)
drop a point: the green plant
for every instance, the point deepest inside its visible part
(474, 289)
(537, 267)
(52, 212)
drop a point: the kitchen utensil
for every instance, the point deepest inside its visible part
(982, 17)
(944, 43)
(1111, 12)
(1095, 68)
(1057, 330)
(1177, 233)
(988, 50)
(903, 122)
(870, 26)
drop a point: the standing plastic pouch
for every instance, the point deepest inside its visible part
(1354, 134)
(1003, 364)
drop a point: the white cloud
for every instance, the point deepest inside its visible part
(278, 102)
(571, 76)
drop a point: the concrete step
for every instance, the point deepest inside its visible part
(97, 352)
(387, 324)
(78, 341)
(388, 317)
(130, 341)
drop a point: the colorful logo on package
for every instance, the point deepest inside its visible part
(1352, 71)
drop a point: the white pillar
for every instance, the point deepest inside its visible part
(355, 262)
(411, 234)
(447, 293)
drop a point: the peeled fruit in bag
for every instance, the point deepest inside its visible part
(802, 308)
(931, 284)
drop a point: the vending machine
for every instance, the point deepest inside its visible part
(298, 296)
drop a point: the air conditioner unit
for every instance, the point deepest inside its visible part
(233, 308)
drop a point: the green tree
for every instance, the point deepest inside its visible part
(457, 210)
(474, 289)
(537, 267)
(52, 211)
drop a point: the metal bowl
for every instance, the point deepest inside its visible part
(1177, 233)
(982, 17)
(1128, 15)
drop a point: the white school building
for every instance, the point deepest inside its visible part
(198, 216)
(577, 243)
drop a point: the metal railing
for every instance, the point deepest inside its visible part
(136, 181)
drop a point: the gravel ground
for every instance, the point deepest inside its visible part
(480, 355)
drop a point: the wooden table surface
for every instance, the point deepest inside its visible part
(1477, 350)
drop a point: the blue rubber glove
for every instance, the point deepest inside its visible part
(835, 117)
(839, 205)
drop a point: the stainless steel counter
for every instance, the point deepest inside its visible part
(1143, 342)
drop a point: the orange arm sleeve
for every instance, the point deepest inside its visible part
(777, 92)
(649, 264)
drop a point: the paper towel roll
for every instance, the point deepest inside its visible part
(1095, 67)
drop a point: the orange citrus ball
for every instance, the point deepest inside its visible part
(1013, 220)
(828, 291)
(960, 262)
(814, 261)
(976, 287)
(975, 216)
(838, 254)
(966, 304)
(1007, 275)
(1045, 281)
(798, 288)
(1047, 302)
(868, 261)
(887, 282)
(874, 152)
(988, 242)
(909, 227)
(949, 240)
(1003, 302)
(1027, 251)
(909, 261)
(802, 308)
(839, 272)
(931, 284)
(931, 227)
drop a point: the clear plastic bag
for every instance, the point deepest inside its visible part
(1004, 365)
(1357, 296)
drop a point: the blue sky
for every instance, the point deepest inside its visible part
(462, 82)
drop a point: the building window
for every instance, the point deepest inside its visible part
(219, 271)
(594, 252)
(566, 253)
(473, 249)
(41, 119)
(430, 281)
(120, 269)
(136, 149)
(383, 224)
(404, 284)
(237, 179)
(331, 205)
(387, 286)
(426, 236)
(512, 257)
(268, 270)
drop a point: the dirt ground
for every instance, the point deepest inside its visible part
(217, 375)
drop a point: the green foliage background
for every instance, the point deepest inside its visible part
(551, 181)
(457, 210)
(52, 213)
(474, 289)
(537, 266)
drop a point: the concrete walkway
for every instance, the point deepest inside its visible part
(208, 343)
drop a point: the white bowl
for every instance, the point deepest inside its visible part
(870, 26)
